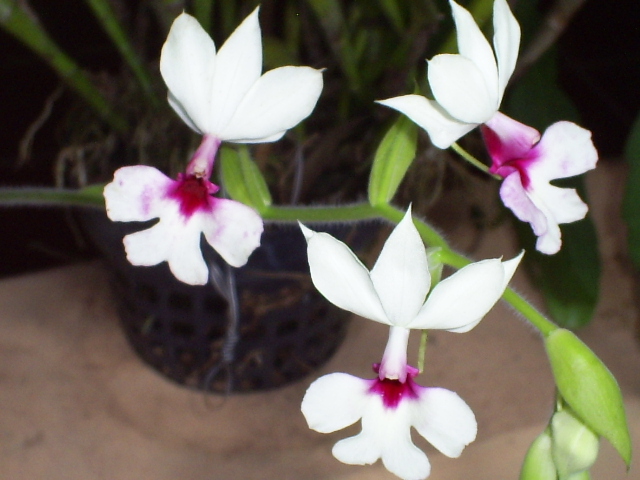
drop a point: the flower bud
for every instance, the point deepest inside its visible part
(574, 445)
(538, 463)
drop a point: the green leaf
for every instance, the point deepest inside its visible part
(243, 180)
(538, 463)
(393, 157)
(589, 388)
(631, 200)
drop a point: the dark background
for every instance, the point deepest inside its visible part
(600, 70)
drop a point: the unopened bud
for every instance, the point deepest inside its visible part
(574, 445)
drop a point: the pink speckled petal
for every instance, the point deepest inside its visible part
(232, 229)
(136, 194)
(565, 150)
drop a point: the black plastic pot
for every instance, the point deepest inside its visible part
(285, 328)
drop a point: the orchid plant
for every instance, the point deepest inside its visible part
(223, 96)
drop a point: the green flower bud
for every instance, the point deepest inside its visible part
(538, 463)
(574, 445)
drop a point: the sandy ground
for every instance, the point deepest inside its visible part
(78, 404)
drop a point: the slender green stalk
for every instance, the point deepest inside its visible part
(20, 22)
(203, 10)
(53, 197)
(473, 160)
(341, 213)
(107, 17)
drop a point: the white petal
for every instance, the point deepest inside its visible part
(173, 240)
(338, 275)
(335, 401)
(386, 434)
(565, 150)
(182, 113)
(187, 63)
(515, 197)
(232, 229)
(459, 86)
(238, 67)
(427, 114)
(459, 302)
(473, 45)
(562, 204)
(136, 194)
(445, 420)
(401, 273)
(506, 41)
(278, 101)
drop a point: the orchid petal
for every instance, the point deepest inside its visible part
(506, 42)
(459, 302)
(473, 46)
(401, 273)
(182, 113)
(335, 401)
(443, 129)
(173, 240)
(136, 194)
(507, 139)
(515, 197)
(232, 229)
(444, 420)
(187, 64)
(459, 86)
(562, 204)
(386, 435)
(565, 150)
(238, 67)
(340, 276)
(278, 101)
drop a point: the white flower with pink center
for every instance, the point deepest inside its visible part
(223, 96)
(468, 88)
(186, 209)
(398, 293)
(528, 163)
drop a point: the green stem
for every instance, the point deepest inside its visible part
(24, 197)
(106, 16)
(473, 160)
(20, 22)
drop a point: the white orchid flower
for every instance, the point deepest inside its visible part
(467, 87)
(186, 209)
(388, 409)
(223, 96)
(223, 93)
(528, 163)
(395, 291)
